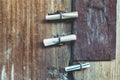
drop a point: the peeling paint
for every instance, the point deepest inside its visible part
(8, 53)
(12, 72)
(3, 74)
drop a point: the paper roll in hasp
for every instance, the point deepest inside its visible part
(77, 67)
(67, 15)
(57, 40)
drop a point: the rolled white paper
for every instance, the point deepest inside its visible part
(53, 41)
(77, 67)
(64, 16)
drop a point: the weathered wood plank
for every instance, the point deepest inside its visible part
(1, 40)
(45, 59)
(23, 28)
(95, 29)
(22, 54)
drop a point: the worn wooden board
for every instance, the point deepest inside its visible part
(22, 56)
(22, 30)
(95, 29)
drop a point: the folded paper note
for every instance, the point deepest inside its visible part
(77, 67)
(62, 16)
(62, 39)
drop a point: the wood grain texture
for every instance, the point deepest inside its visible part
(22, 55)
(95, 29)
(22, 30)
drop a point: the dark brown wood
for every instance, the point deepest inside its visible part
(95, 29)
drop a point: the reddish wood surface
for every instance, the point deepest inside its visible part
(22, 30)
(95, 29)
